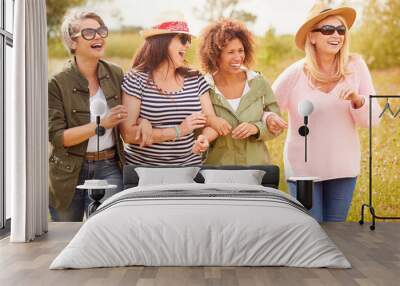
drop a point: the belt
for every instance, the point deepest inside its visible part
(102, 155)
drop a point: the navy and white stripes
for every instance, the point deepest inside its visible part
(165, 110)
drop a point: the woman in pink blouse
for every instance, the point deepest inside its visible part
(338, 85)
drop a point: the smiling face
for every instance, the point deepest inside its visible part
(232, 57)
(328, 44)
(89, 48)
(177, 50)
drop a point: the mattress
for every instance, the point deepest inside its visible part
(201, 225)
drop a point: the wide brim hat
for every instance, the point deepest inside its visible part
(169, 22)
(319, 12)
(96, 185)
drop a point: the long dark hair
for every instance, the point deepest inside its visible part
(153, 52)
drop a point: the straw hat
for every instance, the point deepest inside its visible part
(169, 22)
(319, 12)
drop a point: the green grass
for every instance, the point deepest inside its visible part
(386, 140)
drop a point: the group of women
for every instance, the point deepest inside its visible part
(162, 112)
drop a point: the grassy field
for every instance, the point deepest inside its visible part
(386, 137)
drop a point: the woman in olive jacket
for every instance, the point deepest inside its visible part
(85, 81)
(240, 98)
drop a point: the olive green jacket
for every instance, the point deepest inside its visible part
(69, 107)
(251, 151)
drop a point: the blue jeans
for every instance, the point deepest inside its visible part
(331, 198)
(100, 170)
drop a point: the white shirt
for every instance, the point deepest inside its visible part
(234, 103)
(107, 140)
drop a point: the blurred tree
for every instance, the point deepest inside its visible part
(334, 3)
(55, 10)
(275, 49)
(378, 37)
(328, 2)
(129, 29)
(217, 9)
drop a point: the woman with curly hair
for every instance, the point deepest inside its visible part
(239, 95)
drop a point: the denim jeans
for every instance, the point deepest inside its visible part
(331, 198)
(99, 170)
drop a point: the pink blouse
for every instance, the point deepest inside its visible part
(333, 143)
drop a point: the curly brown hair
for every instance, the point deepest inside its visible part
(216, 35)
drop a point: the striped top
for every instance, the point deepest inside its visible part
(165, 110)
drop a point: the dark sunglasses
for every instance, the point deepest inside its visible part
(330, 30)
(184, 38)
(90, 33)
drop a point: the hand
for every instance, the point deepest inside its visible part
(200, 145)
(116, 115)
(244, 130)
(194, 121)
(220, 125)
(275, 123)
(348, 93)
(144, 132)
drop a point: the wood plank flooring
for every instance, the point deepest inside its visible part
(374, 255)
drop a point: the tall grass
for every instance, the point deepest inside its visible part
(273, 56)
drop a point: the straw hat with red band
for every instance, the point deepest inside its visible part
(171, 22)
(319, 12)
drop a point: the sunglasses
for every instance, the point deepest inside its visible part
(330, 30)
(90, 33)
(184, 38)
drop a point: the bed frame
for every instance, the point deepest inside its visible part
(270, 179)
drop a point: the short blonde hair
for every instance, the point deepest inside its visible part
(70, 26)
(341, 59)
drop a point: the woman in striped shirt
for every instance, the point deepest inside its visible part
(166, 101)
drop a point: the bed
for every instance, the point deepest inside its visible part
(201, 224)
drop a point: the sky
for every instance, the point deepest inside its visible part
(284, 15)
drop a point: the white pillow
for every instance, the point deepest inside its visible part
(248, 177)
(166, 176)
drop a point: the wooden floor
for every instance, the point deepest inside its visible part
(374, 255)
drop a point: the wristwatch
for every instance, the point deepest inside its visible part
(100, 130)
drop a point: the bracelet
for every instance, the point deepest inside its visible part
(362, 103)
(177, 132)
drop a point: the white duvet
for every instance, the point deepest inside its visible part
(200, 224)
